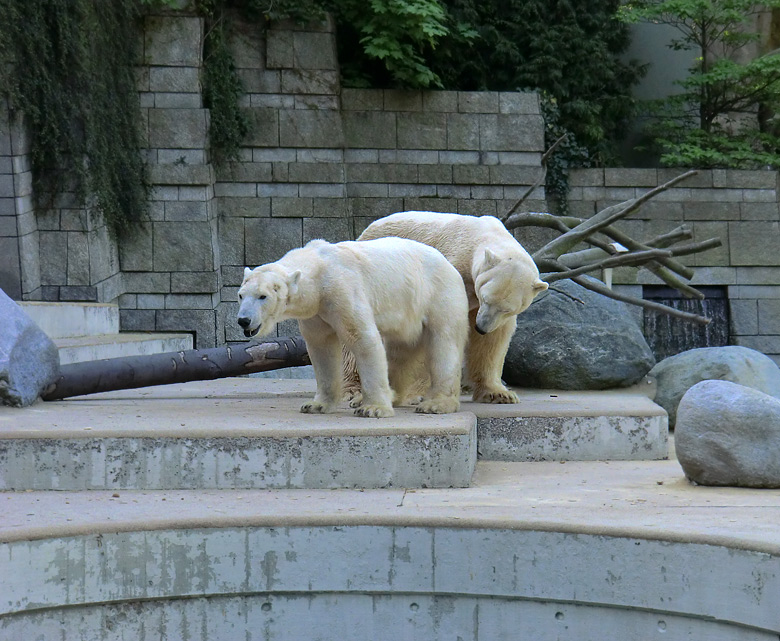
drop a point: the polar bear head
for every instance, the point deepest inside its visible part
(505, 286)
(264, 295)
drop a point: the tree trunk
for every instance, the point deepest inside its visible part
(92, 377)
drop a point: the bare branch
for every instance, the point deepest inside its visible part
(538, 182)
(631, 258)
(683, 232)
(604, 218)
(695, 248)
(602, 289)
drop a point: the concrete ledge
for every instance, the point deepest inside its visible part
(550, 425)
(61, 320)
(582, 550)
(99, 346)
(384, 582)
(177, 437)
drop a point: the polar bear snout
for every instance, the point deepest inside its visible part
(249, 316)
(479, 330)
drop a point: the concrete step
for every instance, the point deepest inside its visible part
(98, 346)
(65, 320)
(90, 331)
(248, 433)
(550, 425)
(231, 433)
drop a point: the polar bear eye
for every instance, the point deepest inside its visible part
(240, 297)
(261, 297)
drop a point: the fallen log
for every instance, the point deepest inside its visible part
(130, 372)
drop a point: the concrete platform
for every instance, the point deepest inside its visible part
(76, 349)
(231, 433)
(90, 332)
(581, 551)
(249, 433)
(564, 551)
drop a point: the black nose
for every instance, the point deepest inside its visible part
(244, 321)
(476, 327)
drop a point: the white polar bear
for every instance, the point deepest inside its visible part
(501, 281)
(390, 302)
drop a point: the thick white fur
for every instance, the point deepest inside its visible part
(501, 281)
(391, 302)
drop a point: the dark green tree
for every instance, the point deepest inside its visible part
(570, 49)
(723, 115)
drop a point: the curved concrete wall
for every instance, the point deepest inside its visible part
(383, 582)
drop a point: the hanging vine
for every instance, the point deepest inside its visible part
(67, 66)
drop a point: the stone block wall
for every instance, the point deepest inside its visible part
(739, 207)
(171, 265)
(323, 162)
(319, 162)
(18, 228)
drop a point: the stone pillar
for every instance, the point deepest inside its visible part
(20, 274)
(171, 265)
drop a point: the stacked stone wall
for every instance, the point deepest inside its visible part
(323, 162)
(739, 207)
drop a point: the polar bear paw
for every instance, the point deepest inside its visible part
(497, 396)
(442, 405)
(374, 411)
(316, 407)
(355, 400)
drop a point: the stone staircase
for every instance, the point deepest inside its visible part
(90, 331)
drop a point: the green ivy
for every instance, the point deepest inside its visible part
(67, 65)
(221, 86)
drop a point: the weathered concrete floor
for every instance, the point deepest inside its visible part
(643, 499)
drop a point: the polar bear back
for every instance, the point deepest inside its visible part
(462, 240)
(393, 279)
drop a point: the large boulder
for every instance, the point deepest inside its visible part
(677, 374)
(729, 434)
(29, 360)
(572, 338)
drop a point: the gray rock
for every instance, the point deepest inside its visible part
(572, 338)
(729, 434)
(29, 360)
(677, 374)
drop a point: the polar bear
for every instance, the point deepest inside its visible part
(501, 281)
(390, 302)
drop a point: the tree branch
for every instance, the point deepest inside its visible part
(603, 219)
(602, 289)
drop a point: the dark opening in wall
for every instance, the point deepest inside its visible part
(668, 335)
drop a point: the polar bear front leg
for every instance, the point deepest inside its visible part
(485, 356)
(371, 361)
(325, 355)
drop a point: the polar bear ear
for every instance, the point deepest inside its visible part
(539, 286)
(491, 260)
(292, 282)
(247, 271)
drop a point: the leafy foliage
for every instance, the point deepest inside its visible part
(723, 115)
(396, 38)
(567, 48)
(68, 65)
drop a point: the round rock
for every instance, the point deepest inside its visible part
(29, 360)
(677, 374)
(729, 434)
(572, 338)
